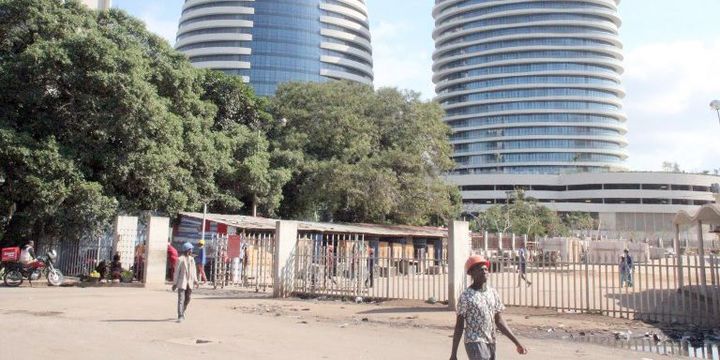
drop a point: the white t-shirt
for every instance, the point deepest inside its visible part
(25, 256)
(479, 309)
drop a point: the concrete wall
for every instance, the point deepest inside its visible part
(125, 235)
(609, 252)
(156, 251)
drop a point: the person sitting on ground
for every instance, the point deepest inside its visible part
(102, 269)
(116, 268)
(479, 314)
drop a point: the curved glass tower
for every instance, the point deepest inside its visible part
(531, 86)
(269, 42)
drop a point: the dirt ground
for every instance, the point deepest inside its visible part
(135, 323)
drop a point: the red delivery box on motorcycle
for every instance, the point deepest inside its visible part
(11, 253)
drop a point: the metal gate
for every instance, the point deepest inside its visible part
(347, 264)
(251, 268)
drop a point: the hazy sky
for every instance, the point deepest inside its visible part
(672, 68)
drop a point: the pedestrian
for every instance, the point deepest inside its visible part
(629, 267)
(522, 266)
(184, 279)
(140, 261)
(201, 260)
(243, 260)
(479, 314)
(625, 272)
(330, 264)
(172, 259)
(371, 267)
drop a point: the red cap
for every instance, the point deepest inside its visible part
(474, 260)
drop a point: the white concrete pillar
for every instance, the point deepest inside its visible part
(500, 242)
(125, 234)
(283, 265)
(487, 241)
(513, 242)
(158, 234)
(459, 245)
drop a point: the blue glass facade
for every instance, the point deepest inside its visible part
(531, 87)
(282, 41)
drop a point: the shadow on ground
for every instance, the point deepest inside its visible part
(402, 310)
(139, 320)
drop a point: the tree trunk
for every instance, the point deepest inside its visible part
(254, 205)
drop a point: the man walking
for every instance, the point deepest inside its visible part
(184, 279)
(479, 314)
(522, 266)
(626, 267)
(201, 259)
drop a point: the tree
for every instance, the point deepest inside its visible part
(669, 166)
(367, 156)
(254, 174)
(522, 215)
(579, 221)
(98, 115)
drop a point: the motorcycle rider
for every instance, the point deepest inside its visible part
(27, 254)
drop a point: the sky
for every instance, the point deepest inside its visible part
(672, 69)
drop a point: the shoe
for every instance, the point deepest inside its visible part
(181, 319)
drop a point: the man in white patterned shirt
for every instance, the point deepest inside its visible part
(479, 313)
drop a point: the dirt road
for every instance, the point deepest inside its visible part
(133, 323)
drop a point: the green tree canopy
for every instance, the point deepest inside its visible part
(367, 156)
(521, 215)
(99, 116)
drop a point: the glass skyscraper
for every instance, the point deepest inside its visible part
(269, 42)
(531, 86)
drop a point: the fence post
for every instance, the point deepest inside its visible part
(512, 245)
(678, 255)
(587, 283)
(158, 234)
(701, 251)
(487, 240)
(458, 250)
(283, 267)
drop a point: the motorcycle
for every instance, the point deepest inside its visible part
(16, 273)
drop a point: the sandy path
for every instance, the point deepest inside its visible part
(127, 323)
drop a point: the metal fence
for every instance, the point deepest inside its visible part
(651, 291)
(79, 257)
(249, 263)
(346, 265)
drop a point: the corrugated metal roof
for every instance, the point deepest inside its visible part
(260, 223)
